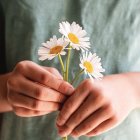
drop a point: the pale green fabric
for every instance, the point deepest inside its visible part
(114, 29)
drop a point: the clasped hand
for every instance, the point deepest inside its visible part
(90, 109)
(33, 90)
(96, 107)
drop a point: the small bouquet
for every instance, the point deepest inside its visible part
(73, 37)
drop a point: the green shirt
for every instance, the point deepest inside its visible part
(114, 30)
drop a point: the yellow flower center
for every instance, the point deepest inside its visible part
(89, 67)
(56, 50)
(73, 38)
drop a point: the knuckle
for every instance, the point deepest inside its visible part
(63, 86)
(85, 126)
(11, 82)
(36, 112)
(35, 104)
(69, 105)
(53, 70)
(109, 109)
(76, 132)
(38, 93)
(54, 107)
(98, 97)
(78, 116)
(68, 127)
(115, 119)
(87, 83)
(44, 78)
(60, 98)
(20, 67)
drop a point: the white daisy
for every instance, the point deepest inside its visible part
(75, 35)
(52, 48)
(91, 65)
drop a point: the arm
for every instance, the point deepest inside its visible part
(96, 107)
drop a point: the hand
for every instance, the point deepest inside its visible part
(34, 90)
(96, 107)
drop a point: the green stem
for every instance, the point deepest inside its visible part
(77, 76)
(65, 138)
(67, 64)
(62, 65)
(66, 74)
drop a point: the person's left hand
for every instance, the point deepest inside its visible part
(96, 107)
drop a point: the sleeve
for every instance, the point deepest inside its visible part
(134, 54)
(130, 52)
(129, 60)
(2, 41)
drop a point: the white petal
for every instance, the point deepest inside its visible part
(42, 58)
(75, 46)
(51, 57)
(81, 65)
(63, 53)
(81, 33)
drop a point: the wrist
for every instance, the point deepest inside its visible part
(4, 104)
(133, 81)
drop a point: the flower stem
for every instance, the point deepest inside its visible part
(66, 74)
(67, 64)
(77, 76)
(65, 138)
(62, 65)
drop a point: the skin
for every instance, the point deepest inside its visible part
(31, 90)
(98, 106)
(91, 109)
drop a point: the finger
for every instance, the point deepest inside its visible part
(24, 112)
(71, 105)
(38, 91)
(90, 105)
(103, 127)
(38, 74)
(93, 121)
(54, 71)
(20, 100)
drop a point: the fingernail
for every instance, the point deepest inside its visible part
(59, 122)
(62, 133)
(74, 134)
(70, 91)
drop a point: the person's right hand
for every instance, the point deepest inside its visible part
(33, 90)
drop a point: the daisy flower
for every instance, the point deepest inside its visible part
(52, 48)
(75, 35)
(91, 65)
